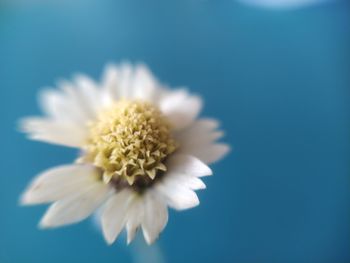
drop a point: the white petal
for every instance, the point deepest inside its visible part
(125, 80)
(58, 183)
(177, 196)
(134, 218)
(92, 98)
(145, 86)
(115, 214)
(194, 183)
(155, 217)
(56, 132)
(199, 140)
(76, 207)
(187, 164)
(64, 104)
(128, 82)
(110, 82)
(209, 153)
(78, 100)
(205, 124)
(180, 108)
(54, 104)
(199, 133)
(185, 180)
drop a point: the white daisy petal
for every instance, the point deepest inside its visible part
(91, 96)
(177, 197)
(181, 108)
(76, 102)
(110, 83)
(114, 215)
(134, 218)
(155, 217)
(78, 99)
(145, 87)
(199, 140)
(77, 207)
(205, 124)
(55, 105)
(195, 183)
(58, 183)
(187, 164)
(185, 180)
(209, 153)
(55, 132)
(199, 133)
(125, 80)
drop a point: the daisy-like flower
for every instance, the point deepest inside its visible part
(141, 151)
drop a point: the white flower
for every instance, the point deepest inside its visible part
(142, 150)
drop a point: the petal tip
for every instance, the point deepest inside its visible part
(148, 238)
(44, 223)
(202, 187)
(109, 241)
(208, 171)
(24, 199)
(226, 149)
(108, 237)
(27, 198)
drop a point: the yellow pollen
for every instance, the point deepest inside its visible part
(130, 141)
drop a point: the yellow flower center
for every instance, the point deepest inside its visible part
(130, 142)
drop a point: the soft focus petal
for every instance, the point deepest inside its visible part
(177, 196)
(134, 218)
(59, 182)
(185, 180)
(198, 133)
(127, 82)
(57, 105)
(199, 140)
(76, 207)
(187, 164)
(201, 125)
(124, 90)
(209, 153)
(114, 215)
(181, 108)
(110, 83)
(69, 110)
(145, 86)
(55, 132)
(155, 217)
(92, 97)
(66, 104)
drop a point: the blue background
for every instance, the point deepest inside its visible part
(278, 80)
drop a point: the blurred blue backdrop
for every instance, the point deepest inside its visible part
(279, 80)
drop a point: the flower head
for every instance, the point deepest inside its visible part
(141, 150)
(130, 141)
